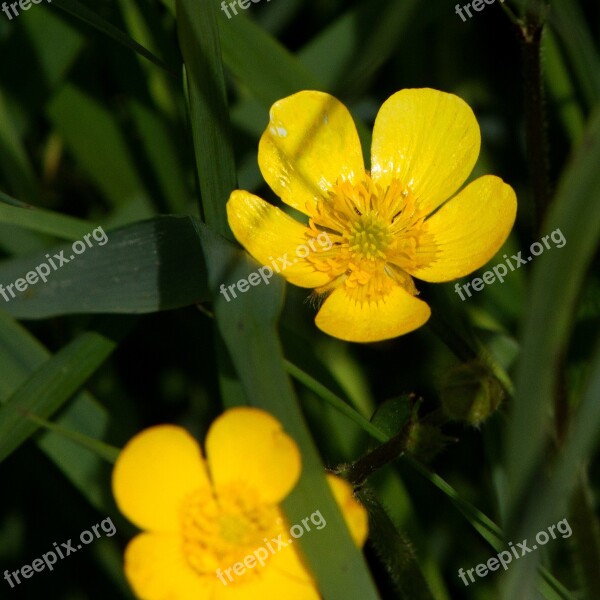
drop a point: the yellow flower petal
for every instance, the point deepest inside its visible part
(394, 314)
(274, 239)
(156, 569)
(469, 229)
(284, 576)
(247, 447)
(154, 473)
(427, 139)
(354, 513)
(310, 142)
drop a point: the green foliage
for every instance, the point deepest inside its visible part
(140, 117)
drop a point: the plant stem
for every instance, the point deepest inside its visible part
(358, 471)
(535, 119)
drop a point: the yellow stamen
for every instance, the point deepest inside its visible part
(220, 531)
(378, 235)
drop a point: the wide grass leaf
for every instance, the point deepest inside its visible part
(145, 267)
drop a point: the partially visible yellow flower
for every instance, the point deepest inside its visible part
(199, 515)
(386, 226)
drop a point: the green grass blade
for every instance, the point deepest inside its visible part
(548, 322)
(55, 381)
(553, 297)
(145, 23)
(549, 586)
(164, 156)
(145, 267)
(104, 451)
(582, 441)
(79, 118)
(41, 220)
(267, 69)
(200, 46)
(363, 39)
(20, 355)
(562, 88)
(568, 21)
(320, 390)
(248, 326)
(81, 12)
(47, 28)
(15, 164)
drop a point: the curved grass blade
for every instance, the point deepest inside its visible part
(13, 212)
(81, 12)
(102, 450)
(56, 380)
(20, 355)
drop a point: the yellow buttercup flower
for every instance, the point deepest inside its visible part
(213, 528)
(397, 221)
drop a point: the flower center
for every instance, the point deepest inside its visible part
(369, 237)
(378, 236)
(219, 531)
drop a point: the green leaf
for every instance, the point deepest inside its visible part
(104, 451)
(41, 220)
(320, 390)
(261, 63)
(200, 46)
(568, 21)
(145, 267)
(552, 303)
(489, 531)
(49, 29)
(358, 57)
(548, 321)
(20, 355)
(55, 381)
(267, 69)
(562, 88)
(109, 162)
(81, 12)
(15, 164)
(248, 326)
(160, 147)
(145, 23)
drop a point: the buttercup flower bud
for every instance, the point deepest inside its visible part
(470, 393)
